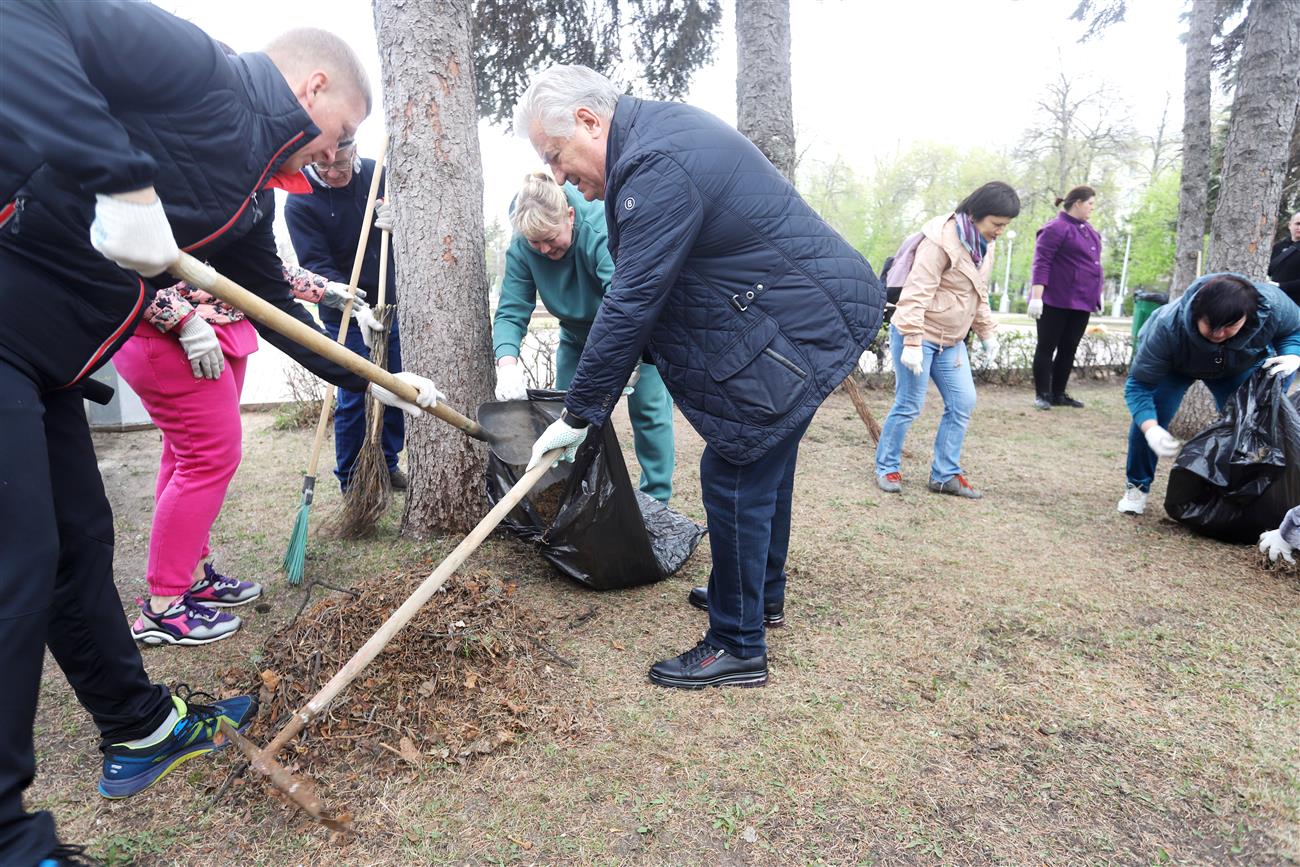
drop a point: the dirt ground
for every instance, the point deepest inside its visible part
(1027, 679)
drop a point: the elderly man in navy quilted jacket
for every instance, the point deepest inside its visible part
(752, 308)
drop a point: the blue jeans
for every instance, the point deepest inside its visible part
(350, 412)
(1141, 464)
(748, 510)
(949, 367)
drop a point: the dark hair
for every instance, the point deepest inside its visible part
(1078, 194)
(994, 198)
(1223, 299)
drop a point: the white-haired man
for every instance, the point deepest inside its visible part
(750, 305)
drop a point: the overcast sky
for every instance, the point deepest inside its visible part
(870, 76)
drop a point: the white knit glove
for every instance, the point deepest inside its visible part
(427, 399)
(559, 435)
(632, 381)
(199, 341)
(1282, 365)
(383, 217)
(135, 236)
(510, 381)
(1272, 544)
(1035, 308)
(1162, 442)
(366, 322)
(336, 295)
(911, 358)
(991, 346)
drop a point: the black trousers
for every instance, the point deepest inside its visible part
(1059, 333)
(56, 589)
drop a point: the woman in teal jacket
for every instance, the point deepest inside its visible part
(560, 250)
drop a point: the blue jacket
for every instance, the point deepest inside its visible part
(1170, 343)
(325, 224)
(123, 95)
(749, 304)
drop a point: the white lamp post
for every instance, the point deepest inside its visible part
(1004, 304)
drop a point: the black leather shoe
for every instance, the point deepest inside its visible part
(1042, 401)
(398, 481)
(1064, 399)
(704, 665)
(773, 615)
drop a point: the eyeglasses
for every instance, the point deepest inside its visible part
(343, 161)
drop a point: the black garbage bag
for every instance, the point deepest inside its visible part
(588, 519)
(1239, 476)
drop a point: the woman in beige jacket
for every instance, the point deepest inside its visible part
(945, 296)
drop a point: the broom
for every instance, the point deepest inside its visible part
(296, 556)
(369, 485)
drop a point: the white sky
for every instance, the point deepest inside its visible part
(870, 76)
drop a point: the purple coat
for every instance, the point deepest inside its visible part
(1067, 263)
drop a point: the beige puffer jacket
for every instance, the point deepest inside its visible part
(945, 294)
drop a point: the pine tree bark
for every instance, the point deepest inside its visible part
(1194, 188)
(764, 104)
(435, 181)
(1259, 139)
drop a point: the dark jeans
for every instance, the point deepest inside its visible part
(350, 411)
(748, 510)
(56, 588)
(1059, 333)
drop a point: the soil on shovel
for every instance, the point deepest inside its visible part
(464, 678)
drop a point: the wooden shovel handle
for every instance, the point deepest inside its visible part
(198, 274)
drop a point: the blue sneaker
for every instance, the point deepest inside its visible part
(130, 770)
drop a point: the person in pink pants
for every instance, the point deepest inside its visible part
(186, 361)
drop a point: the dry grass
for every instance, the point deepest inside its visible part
(1027, 679)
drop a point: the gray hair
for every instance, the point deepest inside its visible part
(556, 93)
(300, 51)
(540, 207)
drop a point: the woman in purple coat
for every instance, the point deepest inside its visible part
(1066, 289)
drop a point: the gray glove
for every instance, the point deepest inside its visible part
(336, 296)
(201, 347)
(384, 217)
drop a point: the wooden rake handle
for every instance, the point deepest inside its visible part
(204, 277)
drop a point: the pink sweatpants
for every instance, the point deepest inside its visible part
(201, 441)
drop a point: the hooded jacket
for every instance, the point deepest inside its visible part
(126, 96)
(752, 307)
(1170, 344)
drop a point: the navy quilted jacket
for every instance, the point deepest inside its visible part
(749, 304)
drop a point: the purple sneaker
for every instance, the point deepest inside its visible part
(185, 622)
(217, 591)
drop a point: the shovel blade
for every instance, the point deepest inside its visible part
(513, 426)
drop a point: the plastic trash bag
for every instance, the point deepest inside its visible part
(1239, 476)
(588, 519)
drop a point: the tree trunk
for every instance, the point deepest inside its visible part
(1194, 188)
(435, 180)
(1259, 139)
(764, 105)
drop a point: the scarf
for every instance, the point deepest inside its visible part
(972, 240)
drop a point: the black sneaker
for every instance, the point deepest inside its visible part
(65, 855)
(398, 481)
(1064, 399)
(704, 665)
(773, 615)
(1042, 401)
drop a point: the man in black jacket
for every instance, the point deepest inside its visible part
(125, 134)
(1284, 261)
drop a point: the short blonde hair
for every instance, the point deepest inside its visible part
(300, 51)
(540, 207)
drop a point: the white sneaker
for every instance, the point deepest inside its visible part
(1134, 501)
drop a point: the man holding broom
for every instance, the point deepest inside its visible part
(125, 133)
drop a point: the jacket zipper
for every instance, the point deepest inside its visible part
(217, 234)
(784, 362)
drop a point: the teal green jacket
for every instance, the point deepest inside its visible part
(571, 287)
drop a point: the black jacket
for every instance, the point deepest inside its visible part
(325, 225)
(126, 95)
(1284, 267)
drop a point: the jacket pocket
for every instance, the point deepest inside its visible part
(761, 373)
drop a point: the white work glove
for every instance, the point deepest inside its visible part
(559, 435)
(135, 236)
(990, 349)
(428, 397)
(632, 381)
(336, 296)
(1035, 308)
(510, 381)
(912, 358)
(199, 341)
(1272, 544)
(384, 217)
(1162, 442)
(1282, 365)
(366, 321)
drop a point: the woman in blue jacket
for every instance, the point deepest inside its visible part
(1220, 331)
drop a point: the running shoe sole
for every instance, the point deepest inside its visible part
(745, 679)
(157, 637)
